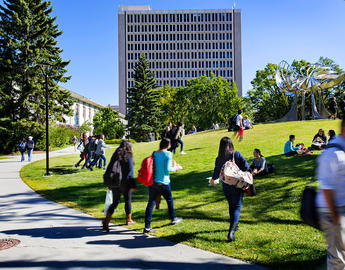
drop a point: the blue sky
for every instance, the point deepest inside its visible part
(272, 30)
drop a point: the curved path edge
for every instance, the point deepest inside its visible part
(57, 237)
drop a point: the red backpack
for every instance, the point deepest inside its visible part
(145, 174)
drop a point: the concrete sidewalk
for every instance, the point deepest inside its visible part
(56, 237)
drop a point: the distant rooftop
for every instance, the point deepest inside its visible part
(82, 98)
(132, 8)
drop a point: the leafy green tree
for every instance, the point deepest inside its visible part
(85, 127)
(27, 39)
(107, 122)
(266, 100)
(144, 113)
(202, 102)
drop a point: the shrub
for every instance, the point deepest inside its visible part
(117, 141)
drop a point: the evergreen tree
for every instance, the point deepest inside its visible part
(144, 106)
(27, 39)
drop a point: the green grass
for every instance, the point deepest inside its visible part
(271, 232)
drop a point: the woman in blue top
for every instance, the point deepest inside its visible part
(289, 149)
(163, 164)
(233, 195)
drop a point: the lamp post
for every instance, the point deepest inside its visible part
(44, 67)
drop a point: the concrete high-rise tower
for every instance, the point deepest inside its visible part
(179, 45)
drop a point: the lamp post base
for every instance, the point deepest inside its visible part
(47, 175)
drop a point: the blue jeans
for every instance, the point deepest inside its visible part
(154, 190)
(181, 142)
(104, 159)
(234, 196)
(29, 153)
(23, 155)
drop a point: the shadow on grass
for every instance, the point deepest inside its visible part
(63, 169)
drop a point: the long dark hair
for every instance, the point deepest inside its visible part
(258, 151)
(123, 152)
(226, 147)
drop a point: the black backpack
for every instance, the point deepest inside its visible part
(113, 175)
(92, 145)
(173, 133)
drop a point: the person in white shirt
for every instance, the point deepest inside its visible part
(246, 123)
(330, 200)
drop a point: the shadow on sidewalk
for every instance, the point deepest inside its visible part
(139, 241)
(130, 264)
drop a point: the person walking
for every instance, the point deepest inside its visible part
(232, 194)
(75, 141)
(342, 107)
(163, 164)
(177, 138)
(100, 153)
(124, 154)
(330, 200)
(22, 147)
(238, 128)
(30, 145)
(83, 153)
(333, 108)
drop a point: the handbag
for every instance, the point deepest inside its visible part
(308, 211)
(233, 176)
(108, 201)
(81, 147)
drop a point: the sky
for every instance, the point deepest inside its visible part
(272, 30)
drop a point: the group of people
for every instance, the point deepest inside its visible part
(163, 165)
(319, 142)
(92, 151)
(26, 145)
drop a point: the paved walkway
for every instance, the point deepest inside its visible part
(53, 236)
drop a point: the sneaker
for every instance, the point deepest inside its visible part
(149, 230)
(176, 220)
(90, 168)
(75, 165)
(182, 153)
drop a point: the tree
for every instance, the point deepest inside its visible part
(107, 122)
(202, 102)
(144, 105)
(266, 100)
(27, 39)
(85, 127)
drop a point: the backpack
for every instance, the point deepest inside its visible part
(308, 210)
(113, 175)
(145, 173)
(232, 123)
(81, 147)
(173, 133)
(232, 175)
(22, 146)
(92, 145)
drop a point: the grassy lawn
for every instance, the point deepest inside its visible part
(271, 232)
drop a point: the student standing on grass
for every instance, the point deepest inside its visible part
(125, 155)
(163, 164)
(30, 145)
(333, 108)
(330, 200)
(233, 195)
(75, 141)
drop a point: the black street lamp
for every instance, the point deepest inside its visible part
(45, 67)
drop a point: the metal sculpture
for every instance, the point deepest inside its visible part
(310, 78)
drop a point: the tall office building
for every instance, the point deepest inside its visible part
(179, 45)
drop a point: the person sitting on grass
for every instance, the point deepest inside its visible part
(319, 140)
(259, 166)
(247, 124)
(331, 134)
(289, 149)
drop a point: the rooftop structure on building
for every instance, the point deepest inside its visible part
(179, 45)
